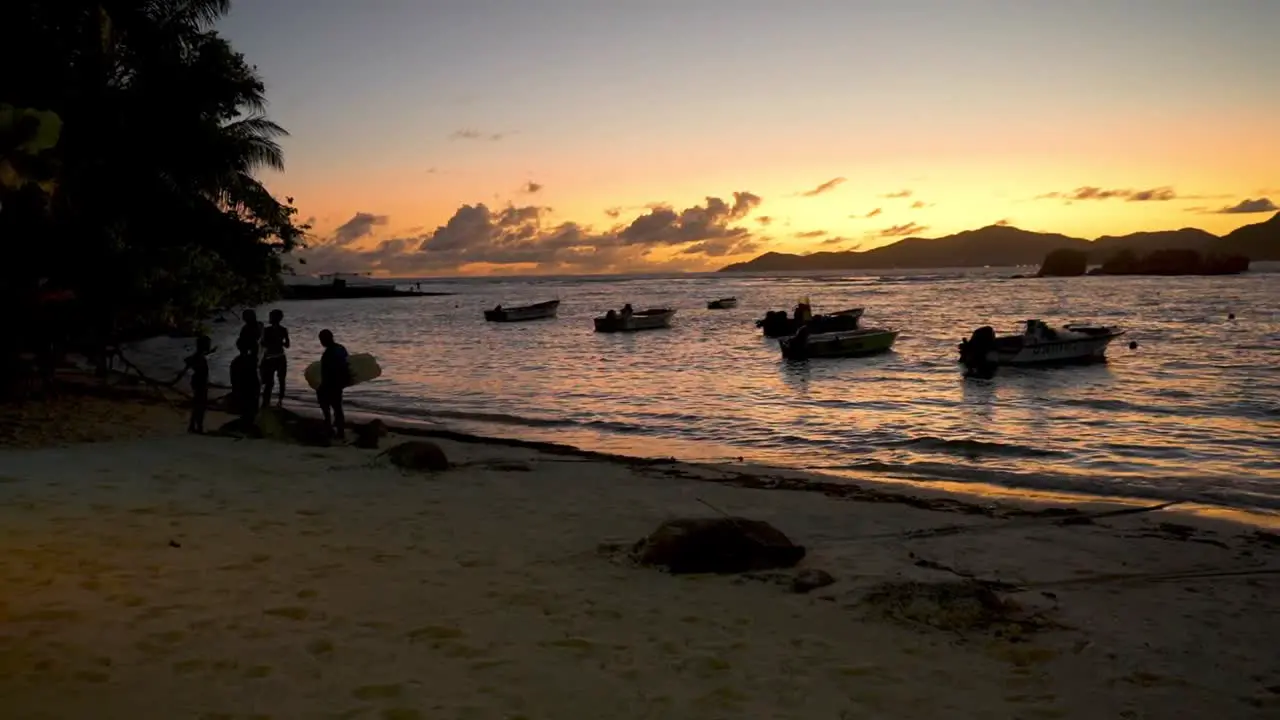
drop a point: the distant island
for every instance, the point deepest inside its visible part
(1073, 263)
(1002, 245)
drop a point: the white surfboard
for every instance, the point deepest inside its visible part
(364, 367)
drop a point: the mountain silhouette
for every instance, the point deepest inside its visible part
(1005, 245)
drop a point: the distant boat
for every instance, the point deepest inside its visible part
(1038, 344)
(840, 343)
(723, 303)
(540, 311)
(652, 319)
(777, 323)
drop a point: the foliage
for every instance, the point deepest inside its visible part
(146, 204)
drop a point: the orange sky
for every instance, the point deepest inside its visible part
(991, 110)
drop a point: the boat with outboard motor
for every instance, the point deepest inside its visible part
(837, 344)
(723, 303)
(777, 324)
(628, 321)
(539, 311)
(1038, 344)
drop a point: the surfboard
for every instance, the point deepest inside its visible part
(364, 367)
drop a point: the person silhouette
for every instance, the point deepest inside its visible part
(275, 340)
(335, 376)
(198, 365)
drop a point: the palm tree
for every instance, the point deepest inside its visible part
(158, 214)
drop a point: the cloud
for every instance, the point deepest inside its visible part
(1090, 192)
(903, 230)
(525, 238)
(432, 170)
(811, 233)
(470, 134)
(360, 225)
(613, 212)
(899, 194)
(1259, 205)
(531, 187)
(841, 241)
(1003, 222)
(764, 220)
(917, 205)
(825, 187)
(871, 214)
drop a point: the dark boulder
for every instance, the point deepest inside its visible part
(369, 434)
(277, 423)
(418, 455)
(717, 545)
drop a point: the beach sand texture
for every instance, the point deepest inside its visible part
(176, 576)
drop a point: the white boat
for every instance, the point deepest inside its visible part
(539, 311)
(839, 343)
(1038, 344)
(723, 303)
(652, 319)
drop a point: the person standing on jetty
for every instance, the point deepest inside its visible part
(335, 376)
(275, 340)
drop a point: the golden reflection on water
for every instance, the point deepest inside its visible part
(1193, 412)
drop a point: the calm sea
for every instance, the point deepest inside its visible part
(1192, 413)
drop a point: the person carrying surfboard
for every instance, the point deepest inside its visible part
(335, 376)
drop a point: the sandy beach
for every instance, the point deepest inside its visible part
(156, 574)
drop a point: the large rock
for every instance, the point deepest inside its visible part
(276, 423)
(717, 545)
(418, 455)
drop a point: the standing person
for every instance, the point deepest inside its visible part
(244, 385)
(335, 375)
(198, 364)
(250, 334)
(275, 340)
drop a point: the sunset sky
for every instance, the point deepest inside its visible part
(444, 136)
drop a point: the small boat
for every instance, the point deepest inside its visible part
(1038, 344)
(777, 324)
(539, 311)
(652, 319)
(723, 303)
(837, 344)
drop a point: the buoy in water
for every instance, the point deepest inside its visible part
(1133, 344)
(1231, 316)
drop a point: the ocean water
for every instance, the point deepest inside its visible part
(1192, 414)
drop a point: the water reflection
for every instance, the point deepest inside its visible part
(1194, 404)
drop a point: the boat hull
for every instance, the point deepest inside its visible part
(855, 343)
(1085, 345)
(541, 311)
(647, 320)
(723, 304)
(1071, 352)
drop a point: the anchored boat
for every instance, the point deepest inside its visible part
(776, 323)
(723, 303)
(540, 311)
(625, 321)
(1038, 344)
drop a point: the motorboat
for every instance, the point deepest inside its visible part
(651, 319)
(777, 324)
(837, 344)
(540, 311)
(1038, 344)
(723, 303)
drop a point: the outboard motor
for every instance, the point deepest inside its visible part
(974, 352)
